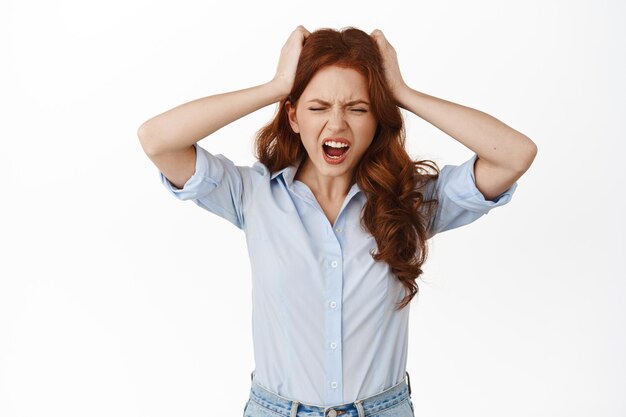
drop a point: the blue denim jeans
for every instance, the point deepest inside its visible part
(392, 402)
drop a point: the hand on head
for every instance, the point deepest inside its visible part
(288, 61)
(390, 63)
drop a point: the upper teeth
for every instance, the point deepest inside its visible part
(336, 144)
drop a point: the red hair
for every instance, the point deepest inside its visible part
(395, 212)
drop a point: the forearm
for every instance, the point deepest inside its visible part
(186, 124)
(487, 136)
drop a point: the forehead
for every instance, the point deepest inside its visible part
(334, 83)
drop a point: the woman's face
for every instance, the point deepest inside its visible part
(334, 106)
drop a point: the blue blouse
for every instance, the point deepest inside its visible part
(323, 322)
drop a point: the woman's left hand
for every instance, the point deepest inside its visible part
(390, 64)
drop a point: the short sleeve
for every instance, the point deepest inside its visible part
(216, 186)
(460, 201)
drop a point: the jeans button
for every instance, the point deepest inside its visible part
(332, 413)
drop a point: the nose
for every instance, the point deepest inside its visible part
(336, 120)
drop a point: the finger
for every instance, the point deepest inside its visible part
(301, 32)
(379, 38)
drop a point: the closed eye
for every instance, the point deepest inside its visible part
(357, 110)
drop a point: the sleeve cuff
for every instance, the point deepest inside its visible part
(462, 190)
(203, 181)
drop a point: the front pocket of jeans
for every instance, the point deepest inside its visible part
(412, 408)
(398, 410)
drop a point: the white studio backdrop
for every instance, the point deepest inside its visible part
(118, 299)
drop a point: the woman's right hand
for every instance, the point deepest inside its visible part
(288, 62)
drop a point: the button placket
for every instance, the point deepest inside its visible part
(333, 296)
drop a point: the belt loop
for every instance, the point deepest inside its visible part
(359, 408)
(408, 379)
(294, 408)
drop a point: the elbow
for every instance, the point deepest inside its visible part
(527, 155)
(142, 131)
(146, 139)
(532, 150)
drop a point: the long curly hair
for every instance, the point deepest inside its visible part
(396, 213)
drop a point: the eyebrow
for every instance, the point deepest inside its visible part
(350, 103)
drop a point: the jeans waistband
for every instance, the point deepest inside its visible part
(289, 407)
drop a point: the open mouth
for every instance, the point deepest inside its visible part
(335, 150)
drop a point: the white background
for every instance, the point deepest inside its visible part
(118, 299)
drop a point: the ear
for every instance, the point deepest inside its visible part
(291, 114)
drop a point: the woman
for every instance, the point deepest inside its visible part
(336, 214)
